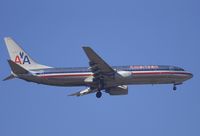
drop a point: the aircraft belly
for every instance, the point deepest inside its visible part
(135, 79)
(151, 79)
(67, 81)
(64, 81)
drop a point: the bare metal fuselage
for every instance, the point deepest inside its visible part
(136, 77)
(98, 76)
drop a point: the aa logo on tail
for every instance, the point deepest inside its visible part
(22, 58)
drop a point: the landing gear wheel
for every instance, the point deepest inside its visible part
(174, 88)
(99, 94)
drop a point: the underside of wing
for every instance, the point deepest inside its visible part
(118, 90)
(83, 92)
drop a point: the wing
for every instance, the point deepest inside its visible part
(102, 73)
(83, 92)
(98, 66)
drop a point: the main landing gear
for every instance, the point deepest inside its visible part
(100, 87)
(99, 94)
(174, 87)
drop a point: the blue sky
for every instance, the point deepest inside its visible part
(122, 32)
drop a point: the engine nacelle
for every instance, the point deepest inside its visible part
(119, 90)
(125, 73)
(89, 79)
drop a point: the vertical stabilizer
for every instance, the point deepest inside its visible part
(20, 57)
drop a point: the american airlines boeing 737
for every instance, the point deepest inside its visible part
(98, 77)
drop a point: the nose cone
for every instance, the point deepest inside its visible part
(189, 75)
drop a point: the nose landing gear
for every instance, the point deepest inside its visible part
(174, 87)
(175, 84)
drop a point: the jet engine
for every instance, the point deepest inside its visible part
(119, 90)
(125, 73)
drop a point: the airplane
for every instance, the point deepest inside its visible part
(98, 77)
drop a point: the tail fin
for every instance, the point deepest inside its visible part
(20, 57)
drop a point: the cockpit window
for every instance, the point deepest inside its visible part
(178, 69)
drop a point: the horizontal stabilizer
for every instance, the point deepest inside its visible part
(9, 77)
(17, 69)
